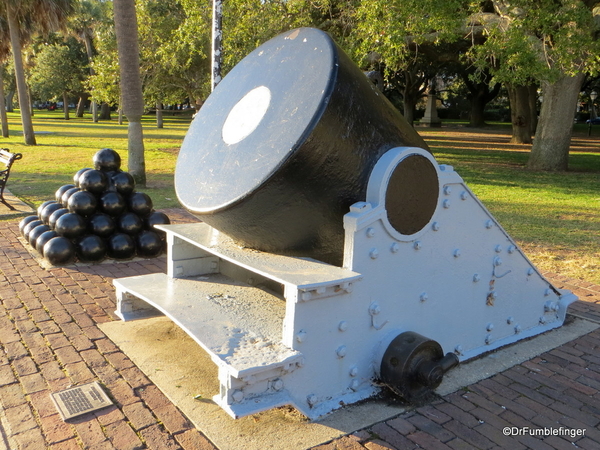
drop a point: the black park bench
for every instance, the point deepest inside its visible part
(7, 158)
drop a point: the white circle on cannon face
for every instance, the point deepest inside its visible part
(246, 114)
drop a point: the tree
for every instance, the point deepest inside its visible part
(553, 43)
(4, 52)
(59, 71)
(131, 86)
(88, 15)
(23, 18)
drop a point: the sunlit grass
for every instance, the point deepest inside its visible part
(555, 217)
(64, 147)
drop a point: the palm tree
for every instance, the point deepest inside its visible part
(4, 52)
(131, 85)
(23, 18)
(82, 26)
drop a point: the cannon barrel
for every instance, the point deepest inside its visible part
(286, 143)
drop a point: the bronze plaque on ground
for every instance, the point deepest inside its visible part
(79, 400)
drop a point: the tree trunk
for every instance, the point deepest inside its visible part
(15, 43)
(104, 112)
(66, 105)
(131, 85)
(533, 108)
(476, 118)
(479, 96)
(550, 149)
(3, 115)
(90, 54)
(9, 101)
(80, 111)
(159, 115)
(520, 114)
(409, 109)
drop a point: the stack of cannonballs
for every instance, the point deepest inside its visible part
(100, 215)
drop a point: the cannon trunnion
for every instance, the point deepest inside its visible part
(311, 290)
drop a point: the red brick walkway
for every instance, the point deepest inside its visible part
(50, 340)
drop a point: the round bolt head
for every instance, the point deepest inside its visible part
(370, 232)
(394, 248)
(374, 253)
(237, 396)
(464, 195)
(343, 325)
(301, 336)
(341, 351)
(353, 371)
(435, 226)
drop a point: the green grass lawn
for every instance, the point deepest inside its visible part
(555, 217)
(64, 147)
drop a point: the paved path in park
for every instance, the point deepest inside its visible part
(50, 340)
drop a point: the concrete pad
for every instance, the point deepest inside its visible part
(185, 373)
(21, 208)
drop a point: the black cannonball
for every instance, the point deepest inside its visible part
(64, 200)
(36, 233)
(42, 239)
(140, 203)
(59, 250)
(25, 221)
(93, 181)
(70, 225)
(120, 246)
(78, 174)
(48, 210)
(42, 206)
(149, 244)
(55, 215)
(83, 203)
(106, 160)
(112, 203)
(110, 187)
(124, 183)
(156, 218)
(30, 226)
(101, 225)
(130, 223)
(90, 248)
(61, 190)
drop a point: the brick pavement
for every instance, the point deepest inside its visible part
(50, 340)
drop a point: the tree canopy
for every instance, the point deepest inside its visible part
(531, 47)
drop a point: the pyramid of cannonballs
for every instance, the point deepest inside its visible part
(100, 215)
